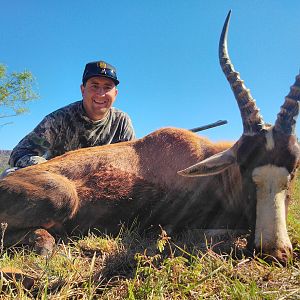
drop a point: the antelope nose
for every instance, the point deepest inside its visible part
(283, 254)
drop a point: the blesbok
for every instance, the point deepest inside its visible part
(244, 185)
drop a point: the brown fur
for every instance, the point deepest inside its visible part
(103, 186)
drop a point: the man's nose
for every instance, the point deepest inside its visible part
(100, 91)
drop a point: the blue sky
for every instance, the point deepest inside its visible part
(165, 53)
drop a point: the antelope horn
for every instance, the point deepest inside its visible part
(286, 118)
(252, 120)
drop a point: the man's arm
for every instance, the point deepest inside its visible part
(127, 132)
(34, 148)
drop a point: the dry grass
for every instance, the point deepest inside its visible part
(131, 266)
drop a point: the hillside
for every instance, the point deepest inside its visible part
(4, 156)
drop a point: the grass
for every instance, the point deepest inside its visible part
(293, 216)
(132, 266)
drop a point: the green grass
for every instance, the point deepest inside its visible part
(137, 267)
(293, 215)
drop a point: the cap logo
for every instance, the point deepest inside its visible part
(102, 65)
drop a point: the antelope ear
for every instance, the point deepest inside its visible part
(212, 165)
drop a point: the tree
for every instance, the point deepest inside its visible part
(16, 90)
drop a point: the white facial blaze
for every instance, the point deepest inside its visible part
(270, 144)
(270, 230)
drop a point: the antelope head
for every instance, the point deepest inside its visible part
(267, 157)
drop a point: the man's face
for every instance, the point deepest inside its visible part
(99, 94)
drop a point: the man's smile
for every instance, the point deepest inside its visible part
(102, 102)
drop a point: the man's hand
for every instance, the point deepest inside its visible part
(34, 160)
(27, 160)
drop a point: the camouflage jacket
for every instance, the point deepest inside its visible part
(68, 129)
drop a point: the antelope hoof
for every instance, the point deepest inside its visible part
(42, 241)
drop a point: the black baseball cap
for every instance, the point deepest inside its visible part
(99, 69)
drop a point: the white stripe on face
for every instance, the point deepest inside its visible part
(270, 231)
(270, 144)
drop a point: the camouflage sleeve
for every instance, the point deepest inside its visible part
(127, 133)
(34, 148)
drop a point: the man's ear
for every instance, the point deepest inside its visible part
(82, 89)
(116, 92)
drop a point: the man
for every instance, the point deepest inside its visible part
(86, 123)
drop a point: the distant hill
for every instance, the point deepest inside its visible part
(4, 156)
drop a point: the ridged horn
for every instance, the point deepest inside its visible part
(286, 118)
(252, 120)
